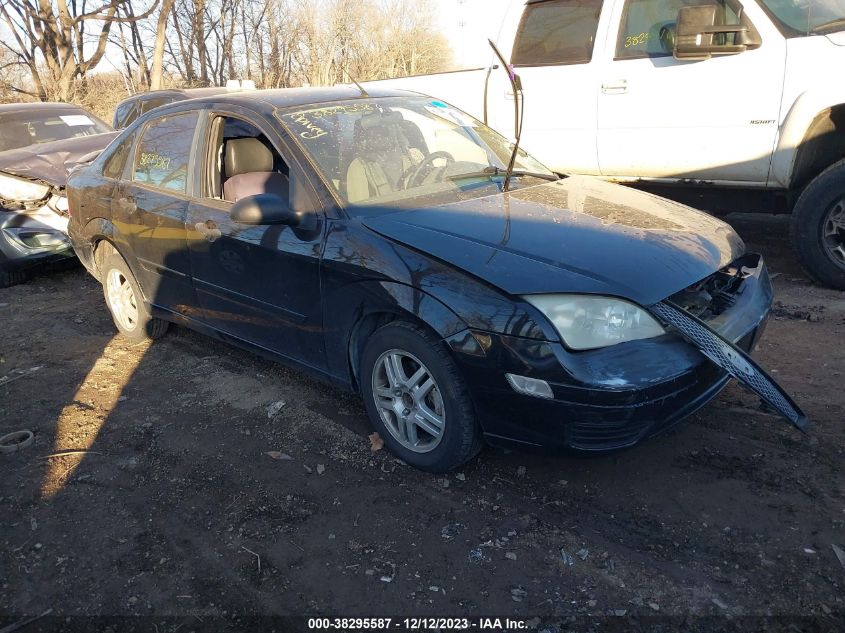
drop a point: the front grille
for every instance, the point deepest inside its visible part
(730, 358)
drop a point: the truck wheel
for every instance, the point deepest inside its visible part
(126, 303)
(417, 399)
(818, 227)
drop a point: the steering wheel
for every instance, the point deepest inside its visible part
(418, 172)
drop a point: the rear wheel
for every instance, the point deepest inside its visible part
(818, 227)
(125, 302)
(416, 398)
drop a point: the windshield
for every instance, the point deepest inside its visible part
(20, 129)
(809, 17)
(406, 152)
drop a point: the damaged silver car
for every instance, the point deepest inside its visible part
(39, 144)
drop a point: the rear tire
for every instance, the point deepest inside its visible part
(817, 227)
(416, 398)
(126, 304)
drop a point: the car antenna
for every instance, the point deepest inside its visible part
(360, 87)
(518, 110)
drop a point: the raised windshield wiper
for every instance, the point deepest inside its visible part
(492, 170)
(836, 24)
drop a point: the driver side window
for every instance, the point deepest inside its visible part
(648, 26)
(242, 162)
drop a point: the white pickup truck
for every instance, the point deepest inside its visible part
(723, 104)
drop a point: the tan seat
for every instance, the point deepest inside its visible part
(248, 165)
(382, 155)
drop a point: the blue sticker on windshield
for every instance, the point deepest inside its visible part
(439, 104)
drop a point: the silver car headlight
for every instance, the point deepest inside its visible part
(590, 321)
(12, 188)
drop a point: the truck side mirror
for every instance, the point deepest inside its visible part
(699, 37)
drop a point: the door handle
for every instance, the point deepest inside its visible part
(208, 230)
(127, 204)
(616, 87)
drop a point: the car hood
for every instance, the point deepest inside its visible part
(51, 162)
(578, 235)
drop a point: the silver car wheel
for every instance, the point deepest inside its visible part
(408, 400)
(834, 232)
(122, 301)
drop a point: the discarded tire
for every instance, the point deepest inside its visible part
(13, 442)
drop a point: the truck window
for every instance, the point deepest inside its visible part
(648, 26)
(556, 32)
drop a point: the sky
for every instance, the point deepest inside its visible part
(467, 24)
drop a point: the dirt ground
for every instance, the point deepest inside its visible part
(177, 509)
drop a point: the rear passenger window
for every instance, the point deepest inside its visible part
(556, 32)
(161, 158)
(648, 26)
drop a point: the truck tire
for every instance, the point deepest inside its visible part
(817, 228)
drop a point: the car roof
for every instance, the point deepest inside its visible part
(5, 108)
(186, 93)
(293, 97)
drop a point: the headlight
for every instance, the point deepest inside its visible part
(12, 188)
(588, 322)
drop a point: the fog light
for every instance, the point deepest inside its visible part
(530, 386)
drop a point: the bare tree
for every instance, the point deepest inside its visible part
(277, 43)
(158, 52)
(49, 38)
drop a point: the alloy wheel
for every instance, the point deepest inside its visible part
(833, 232)
(409, 400)
(122, 301)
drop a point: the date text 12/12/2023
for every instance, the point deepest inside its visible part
(418, 624)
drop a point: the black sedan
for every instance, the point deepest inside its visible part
(366, 238)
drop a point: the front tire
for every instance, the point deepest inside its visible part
(818, 227)
(126, 304)
(416, 398)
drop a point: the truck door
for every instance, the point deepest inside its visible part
(714, 119)
(555, 54)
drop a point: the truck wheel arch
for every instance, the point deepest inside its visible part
(815, 119)
(822, 146)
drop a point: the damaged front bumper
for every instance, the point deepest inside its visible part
(614, 397)
(31, 237)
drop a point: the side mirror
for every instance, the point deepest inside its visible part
(699, 37)
(264, 209)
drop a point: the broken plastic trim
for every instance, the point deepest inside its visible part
(732, 359)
